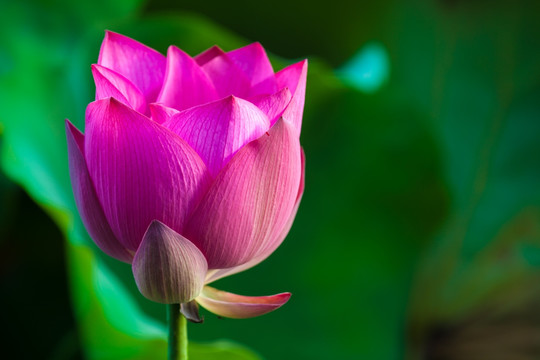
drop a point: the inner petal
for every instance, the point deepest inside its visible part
(217, 130)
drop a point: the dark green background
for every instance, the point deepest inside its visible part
(419, 233)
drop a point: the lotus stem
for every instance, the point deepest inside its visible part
(178, 341)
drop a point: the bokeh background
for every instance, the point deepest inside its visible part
(419, 233)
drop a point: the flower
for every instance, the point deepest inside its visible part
(190, 169)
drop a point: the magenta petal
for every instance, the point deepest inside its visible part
(143, 66)
(251, 197)
(186, 84)
(273, 105)
(219, 129)
(214, 275)
(253, 61)
(87, 202)
(227, 78)
(237, 306)
(294, 77)
(161, 113)
(111, 84)
(141, 171)
(168, 268)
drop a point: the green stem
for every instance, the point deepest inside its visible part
(178, 341)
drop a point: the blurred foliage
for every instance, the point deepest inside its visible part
(419, 232)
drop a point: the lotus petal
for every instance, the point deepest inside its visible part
(253, 61)
(219, 129)
(141, 171)
(111, 84)
(237, 306)
(186, 84)
(294, 77)
(273, 105)
(216, 274)
(143, 66)
(228, 79)
(168, 268)
(252, 196)
(87, 202)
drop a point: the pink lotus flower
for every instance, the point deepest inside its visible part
(190, 168)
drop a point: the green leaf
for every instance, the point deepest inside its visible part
(479, 82)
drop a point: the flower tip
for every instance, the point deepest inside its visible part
(286, 295)
(96, 69)
(110, 33)
(113, 102)
(173, 49)
(281, 298)
(155, 225)
(231, 99)
(258, 45)
(71, 130)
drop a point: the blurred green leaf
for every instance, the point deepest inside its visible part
(330, 31)
(473, 68)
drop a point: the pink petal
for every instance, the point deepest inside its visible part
(219, 129)
(294, 77)
(143, 66)
(237, 306)
(161, 113)
(273, 105)
(253, 61)
(186, 85)
(214, 275)
(251, 197)
(168, 268)
(111, 84)
(141, 171)
(87, 202)
(227, 78)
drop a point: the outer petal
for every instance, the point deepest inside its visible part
(273, 105)
(141, 171)
(186, 84)
(253, 61)
(218, 130)
(227, 78)
(237, 306)
(167, 267)
(251, 197)
(142, 65)
(87, 202)
(111, 84)
(214, 275)
(294, 77)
